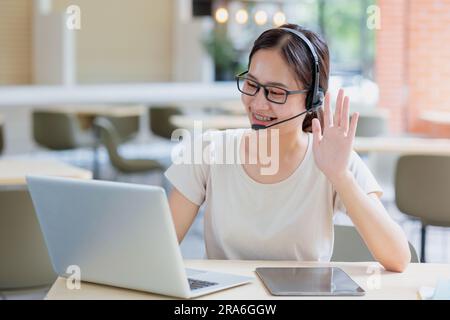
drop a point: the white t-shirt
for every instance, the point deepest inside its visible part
(248, 220)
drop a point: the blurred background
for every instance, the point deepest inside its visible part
(95, 88)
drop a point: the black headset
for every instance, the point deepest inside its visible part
(315, 96)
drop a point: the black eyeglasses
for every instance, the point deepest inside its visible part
(272, 93)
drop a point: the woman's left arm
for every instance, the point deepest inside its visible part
(384, 238)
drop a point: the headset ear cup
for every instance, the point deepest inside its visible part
(317, 101)
(320, 98)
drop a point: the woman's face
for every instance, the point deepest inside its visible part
(268, 68)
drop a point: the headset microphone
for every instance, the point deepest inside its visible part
(261, 126)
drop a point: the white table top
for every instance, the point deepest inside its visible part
(139, 93)
(379, 284)
(219, 122)
(438, 117)
(13, 171)
(401, 145)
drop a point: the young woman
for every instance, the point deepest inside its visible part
(287, 215)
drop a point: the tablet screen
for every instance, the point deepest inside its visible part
(326, 281)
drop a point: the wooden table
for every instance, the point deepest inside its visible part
(86, 114)
(13, 171)
(100, 110)
(379, 284)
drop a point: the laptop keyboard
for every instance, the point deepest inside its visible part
(199, 284)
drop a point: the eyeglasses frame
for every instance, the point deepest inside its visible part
(266, 91)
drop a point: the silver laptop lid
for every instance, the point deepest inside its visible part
(116, 233)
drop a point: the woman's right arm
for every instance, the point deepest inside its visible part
(183, 213)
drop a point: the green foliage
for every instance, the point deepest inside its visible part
(351, 43)
(221, 49)
(342, 22)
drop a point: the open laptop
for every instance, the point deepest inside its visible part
(118, 234)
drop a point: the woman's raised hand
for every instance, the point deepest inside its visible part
(332, 148)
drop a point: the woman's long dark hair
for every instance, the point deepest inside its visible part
(296, 54)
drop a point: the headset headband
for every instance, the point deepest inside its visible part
(316, 97)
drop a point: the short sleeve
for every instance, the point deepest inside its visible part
(188, 172)
(363, 177)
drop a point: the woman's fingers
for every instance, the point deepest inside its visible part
(327, 117)
(317, 131)
(345, 115)
(338, 111)
(353, 124)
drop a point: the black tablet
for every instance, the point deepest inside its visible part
(318, 281)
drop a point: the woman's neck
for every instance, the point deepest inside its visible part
(290, 149)
(291, 143)
(287, 145)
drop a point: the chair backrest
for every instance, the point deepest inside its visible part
(127, 127)
(371, 126)
(159, 120)
(2, 137)
(110, 138)
(25, 262)
(422, 185)
(58, 130)
(350, 247)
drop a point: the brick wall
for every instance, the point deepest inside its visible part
(413, 62)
